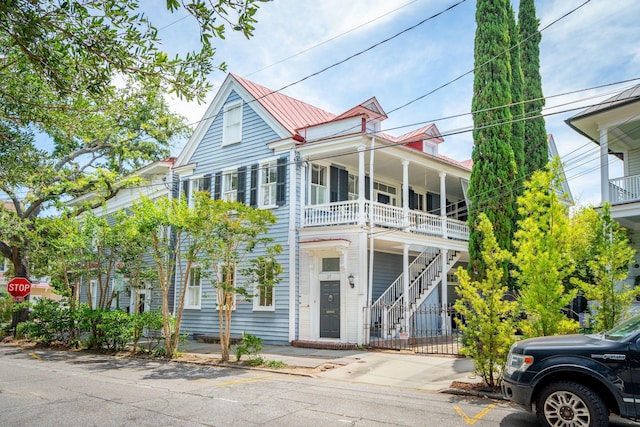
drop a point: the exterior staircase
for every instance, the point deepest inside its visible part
(425, 273)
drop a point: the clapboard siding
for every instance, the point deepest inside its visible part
(386, 269)
(211, 157)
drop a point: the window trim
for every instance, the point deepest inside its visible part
(198, 306)
(225, 174)
(93, 289)
(235, 285)
(192, 191)
(226, 136)
(256, 299)
(263, 167)
(324, 188)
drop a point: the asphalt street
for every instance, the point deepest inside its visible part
(54, 388)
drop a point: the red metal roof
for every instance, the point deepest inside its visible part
(289, 112)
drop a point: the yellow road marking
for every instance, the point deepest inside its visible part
(245, 380)
(478, 416)
(35, 356)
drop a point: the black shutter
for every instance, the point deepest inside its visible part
(343, 185)
(175, 187)
(333, 184)
(206, 183)
(217, 186)
(253, 187)
(412, 199)
(367, 187)
(281, 182)
(242, 184)
(185, 189)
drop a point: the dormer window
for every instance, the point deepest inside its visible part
(429, 148)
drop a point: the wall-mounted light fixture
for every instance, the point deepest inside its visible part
(351, 280)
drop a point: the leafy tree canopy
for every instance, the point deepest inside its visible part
(90, 78)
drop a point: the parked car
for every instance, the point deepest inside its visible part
(577, 380)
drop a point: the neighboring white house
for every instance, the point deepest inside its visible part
(614, 125)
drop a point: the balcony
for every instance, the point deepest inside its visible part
(625, 189)
(381, 215)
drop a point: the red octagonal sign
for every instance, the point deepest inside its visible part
(19, 287)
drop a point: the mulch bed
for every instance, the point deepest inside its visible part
(476, 387)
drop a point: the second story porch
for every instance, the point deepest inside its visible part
(375, 214)
(370, 181)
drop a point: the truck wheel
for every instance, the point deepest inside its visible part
(566, 403)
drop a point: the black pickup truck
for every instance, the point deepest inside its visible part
(577, 380)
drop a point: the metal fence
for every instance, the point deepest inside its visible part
(430, 329)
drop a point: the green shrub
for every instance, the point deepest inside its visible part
(116, 330)
(6, 307)
(275, 364)
(23, 330)
(148, 324)
(52, 322)
(251, 345)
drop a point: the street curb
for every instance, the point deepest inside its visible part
(247, 368)
(460, 392)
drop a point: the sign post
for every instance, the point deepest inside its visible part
(19, 288)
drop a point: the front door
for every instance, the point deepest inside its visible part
(330, 309)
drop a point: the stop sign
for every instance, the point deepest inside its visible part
(19, 287)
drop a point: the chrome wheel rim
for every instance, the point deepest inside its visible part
(566, 409)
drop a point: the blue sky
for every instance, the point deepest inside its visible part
(595, 45)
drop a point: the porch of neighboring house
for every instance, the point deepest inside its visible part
(625, 189)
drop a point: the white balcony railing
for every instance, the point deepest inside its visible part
(625, 189)
(381, 215)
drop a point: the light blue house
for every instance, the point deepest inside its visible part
(370, 223)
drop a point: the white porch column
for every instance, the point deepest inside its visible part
(446, 321)
(443, 203)
(361, 188)
(405, 193)
(604, 166)
(371, 157)
(293, 274)
(405, 280)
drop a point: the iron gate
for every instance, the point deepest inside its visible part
(430, 329)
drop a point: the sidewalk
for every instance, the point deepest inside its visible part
(388, 368)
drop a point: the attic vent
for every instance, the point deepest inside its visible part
(373, 107)
(431, 132)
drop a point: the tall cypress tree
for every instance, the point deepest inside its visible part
(517, 106)
(536, 150)
(494, 168)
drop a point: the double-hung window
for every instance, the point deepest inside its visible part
(232, 123)
(93, 290)
(268, 182)
(194, 289)
(353, 187)
(226, 287)
(263, 299)
(318, 184)
(230, 185)
(197, 185)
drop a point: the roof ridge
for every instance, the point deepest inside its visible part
(290, 112)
